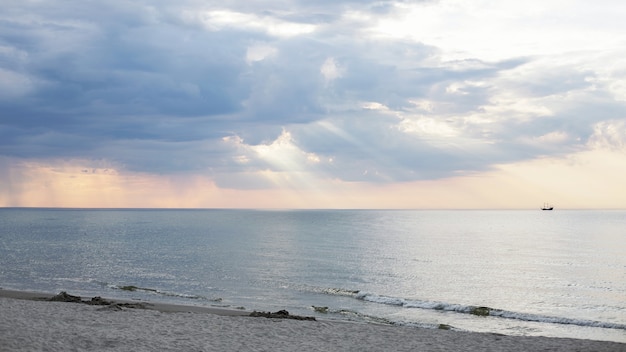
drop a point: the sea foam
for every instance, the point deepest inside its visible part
(482, 311)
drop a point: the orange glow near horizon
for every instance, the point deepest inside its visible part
(592, 179)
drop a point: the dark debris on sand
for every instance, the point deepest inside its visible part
(281, 314)
(95, 301)
(111, 305)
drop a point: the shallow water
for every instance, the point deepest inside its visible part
(559, 273)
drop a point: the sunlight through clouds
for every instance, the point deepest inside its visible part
(286, 164)
(384, 104)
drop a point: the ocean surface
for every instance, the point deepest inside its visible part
(550, 273)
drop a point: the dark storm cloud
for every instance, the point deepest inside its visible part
(157, 86)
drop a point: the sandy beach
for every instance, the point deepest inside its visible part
(31, 323)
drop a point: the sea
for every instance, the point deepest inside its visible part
(559, 273)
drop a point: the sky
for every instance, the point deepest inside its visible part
(431, 104)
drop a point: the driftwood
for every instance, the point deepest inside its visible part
(65, 297)
(95, 301)
(281, 314)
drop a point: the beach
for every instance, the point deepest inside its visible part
(30, 322)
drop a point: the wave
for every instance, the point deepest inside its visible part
(471, 309)
(340, 292)
(358, 316)
(484, 311)
(353, 315)
(133, 288)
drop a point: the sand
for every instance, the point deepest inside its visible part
(28, 324)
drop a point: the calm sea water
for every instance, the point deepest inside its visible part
(559, 273)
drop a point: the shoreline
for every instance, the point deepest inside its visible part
(30, 322)
(158, 306)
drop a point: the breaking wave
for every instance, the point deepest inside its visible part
(340, 292)
(470, 309)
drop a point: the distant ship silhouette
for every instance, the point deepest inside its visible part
(547, 206)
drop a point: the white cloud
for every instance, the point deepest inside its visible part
(260, 52)
(493, 30)
(220, 19)
(427, 127)
(331, 70)
(372, 105)
(555, 137)
(609, 135)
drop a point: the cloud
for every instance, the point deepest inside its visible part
(259, 52)
(266, 94)
(330, 70)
